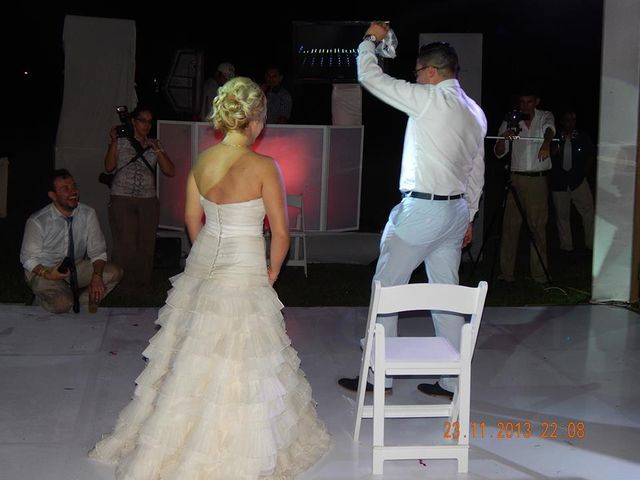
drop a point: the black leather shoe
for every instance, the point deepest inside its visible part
(352, 384)
(435, 390)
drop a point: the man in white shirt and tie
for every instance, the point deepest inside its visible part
(441, 179)
(530, 165)
(63, 229)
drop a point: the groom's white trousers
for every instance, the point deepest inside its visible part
(429, 231)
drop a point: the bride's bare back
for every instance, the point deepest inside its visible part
(225, 174)
(228, 174)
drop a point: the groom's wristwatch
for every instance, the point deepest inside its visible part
(371, 37)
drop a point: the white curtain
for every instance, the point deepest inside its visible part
(615, 267)
(346, 104)
(99, 73)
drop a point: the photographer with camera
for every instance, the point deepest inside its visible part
(133, 207)
(530, 165)
(57, 241)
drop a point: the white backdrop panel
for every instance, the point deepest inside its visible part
(307, 162)
(344, 178)
(617, 152)
(99, 73)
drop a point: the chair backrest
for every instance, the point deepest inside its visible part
(428, 296)
(297, 201)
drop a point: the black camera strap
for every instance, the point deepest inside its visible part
(140, 149)
(133, 159)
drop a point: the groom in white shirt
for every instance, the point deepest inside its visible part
(441, 179)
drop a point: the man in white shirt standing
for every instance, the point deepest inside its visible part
(66, 229)
(441, 179)
(530, 165)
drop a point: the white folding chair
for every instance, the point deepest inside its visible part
(419, 356)
(297, 232)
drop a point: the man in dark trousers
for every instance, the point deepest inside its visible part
(571, 161)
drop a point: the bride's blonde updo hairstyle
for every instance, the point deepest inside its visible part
(239, 101)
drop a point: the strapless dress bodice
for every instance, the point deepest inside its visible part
(234, 219)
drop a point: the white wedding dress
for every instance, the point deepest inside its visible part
(222, 395)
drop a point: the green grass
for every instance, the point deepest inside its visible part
(349, 285)
(343, 284)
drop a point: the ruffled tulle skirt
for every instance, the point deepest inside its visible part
(222, 395)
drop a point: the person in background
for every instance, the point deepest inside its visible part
(572, 160)
(133, 205)
(66, 229)
(530, 165)
(279, 102)
(224, 72)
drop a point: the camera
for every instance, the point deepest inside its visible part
(66, 264)
(125, 129)
(513, 119)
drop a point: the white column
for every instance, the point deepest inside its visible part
(613, 268)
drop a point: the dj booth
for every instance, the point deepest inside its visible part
(323, 163)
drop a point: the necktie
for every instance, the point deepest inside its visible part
(566, 157)
(73, 274)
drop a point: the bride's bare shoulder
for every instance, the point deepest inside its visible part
(207, 154)
(261, 160)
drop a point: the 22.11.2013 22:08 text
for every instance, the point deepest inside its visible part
(510, 430)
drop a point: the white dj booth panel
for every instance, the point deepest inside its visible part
(323, 163)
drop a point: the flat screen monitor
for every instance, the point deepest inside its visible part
(326, 51)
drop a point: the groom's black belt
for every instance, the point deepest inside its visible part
(431, 196)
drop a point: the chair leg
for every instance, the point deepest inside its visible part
(378, 463)
(296, 248)
(304, 254)
(464, 402)
(463, 462)
(378, 410)
(455, 408)
(378, 403)
(465, 405)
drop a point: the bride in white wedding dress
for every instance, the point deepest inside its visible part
(222, 395)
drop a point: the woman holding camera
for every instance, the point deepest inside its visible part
(133, 206)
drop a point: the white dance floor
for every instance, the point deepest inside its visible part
(63, 379)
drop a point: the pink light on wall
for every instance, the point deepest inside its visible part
(298, 152)
(301, 152)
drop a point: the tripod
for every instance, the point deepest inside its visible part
(508, 189)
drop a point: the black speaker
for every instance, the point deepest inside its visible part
(168, 252)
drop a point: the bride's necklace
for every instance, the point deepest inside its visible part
(234, 145)
(237, 145)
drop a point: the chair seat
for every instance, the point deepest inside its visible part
(419, 350)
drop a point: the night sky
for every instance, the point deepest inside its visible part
(552, 45)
